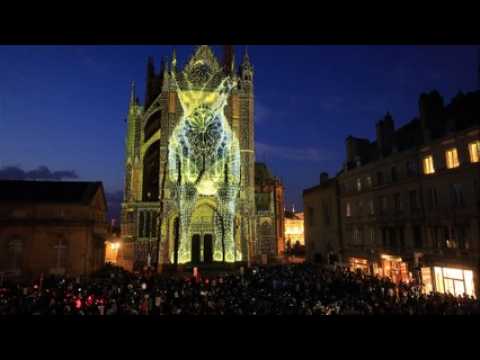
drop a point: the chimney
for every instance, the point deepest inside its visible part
(385, 134)
(350, 148)
(431, 111)
(357, 149)
(228, 58)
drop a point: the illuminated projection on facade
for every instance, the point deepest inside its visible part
(204, 161)
(190, 165)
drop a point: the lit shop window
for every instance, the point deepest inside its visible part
(452, 158)
(358, 264)
(428, 167)
(474, 149)
(427, 280)
(454, 281)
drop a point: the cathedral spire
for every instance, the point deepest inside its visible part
(246, 70)
(174, 60)
(228, 58)
(133, 97)
(246, 58)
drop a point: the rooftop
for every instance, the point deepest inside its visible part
(65, 192)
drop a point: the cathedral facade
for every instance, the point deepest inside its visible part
(189, 193)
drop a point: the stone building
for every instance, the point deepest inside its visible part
(323, 238)
(269, 202)
(190, 165)
(52, 227)
(409, 201)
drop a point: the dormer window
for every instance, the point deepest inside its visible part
(452, 158)
(428, 166)
(474, 150)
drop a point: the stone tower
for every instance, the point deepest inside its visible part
(190, 161)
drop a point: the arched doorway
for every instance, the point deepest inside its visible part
(208, 248)
(196, 249)
(203, 234)
(176, 239)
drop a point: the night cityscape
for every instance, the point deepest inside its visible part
(164, 180)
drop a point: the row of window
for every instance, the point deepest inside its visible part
(450, 237)
(457, 199)
(391, 237)
(451, 158)
(16, 252)
(367, 182)
(441, 237)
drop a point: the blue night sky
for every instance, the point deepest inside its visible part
(64, 106)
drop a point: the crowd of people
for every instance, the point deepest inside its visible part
(275, 290)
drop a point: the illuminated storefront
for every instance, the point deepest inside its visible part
(111, 252)
(358, 264)
(448, 281)
(294, 231)
(393, 267)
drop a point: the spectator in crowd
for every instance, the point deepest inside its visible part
(277, 290)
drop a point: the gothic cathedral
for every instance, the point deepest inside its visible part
(190, 179)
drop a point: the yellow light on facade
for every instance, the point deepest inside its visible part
(454, 281)
(207, 188)
(452, 158)
(474, 149)
(391, 258)
(428, 166)
(294, 230)
(204, 158)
